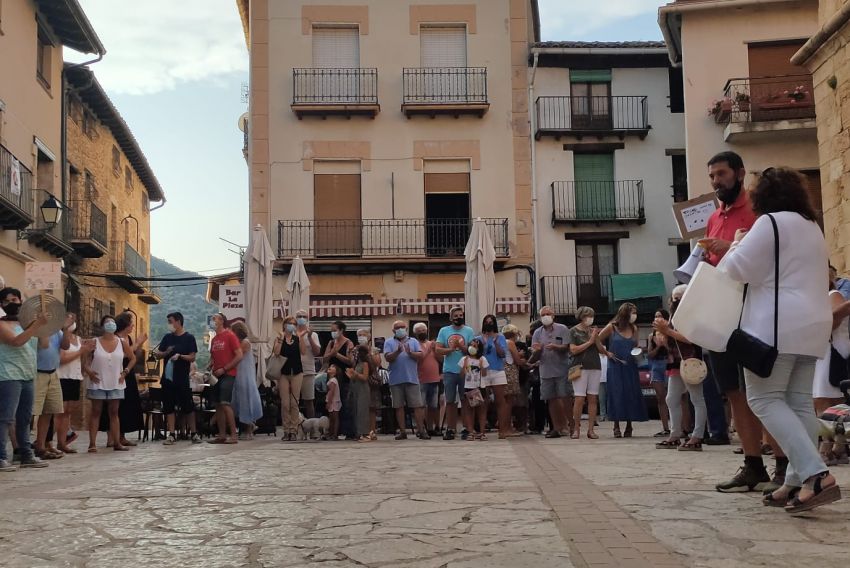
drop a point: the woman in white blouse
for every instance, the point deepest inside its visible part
(783, 401)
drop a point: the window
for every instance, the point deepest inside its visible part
(443, 46)
(590, 99)
(146, 204)
(447, 213)
(113, 225)
(336, 47)
(89, 128)
(112, 309)
(595, 194)
(91, 189)
(44, 172)
(75, 109)
(128, 178)
(677, 89)
(596, 261)
(116, 161)
(44, 57)
(337, 214)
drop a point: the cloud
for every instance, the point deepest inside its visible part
(566, 19)
(156, 45)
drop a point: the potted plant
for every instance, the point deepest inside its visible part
(720, 109)
(742, 101)
(798, 94)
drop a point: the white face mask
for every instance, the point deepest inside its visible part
(73, 327)
(473, 351)
(362, 340)
(334, 334)
(547, 320)
(633, 318)
(171, 327)
(588, 321)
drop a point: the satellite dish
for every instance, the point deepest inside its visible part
(242, 123)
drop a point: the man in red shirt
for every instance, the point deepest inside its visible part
(225, 354)
(726, 172)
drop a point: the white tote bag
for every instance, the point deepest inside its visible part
(710, 309)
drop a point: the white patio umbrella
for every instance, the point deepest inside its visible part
(259, 266)
(298, 286)
(480, 280)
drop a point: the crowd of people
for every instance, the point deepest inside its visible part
(456, 383)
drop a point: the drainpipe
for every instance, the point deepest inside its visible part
(161, 205)
(532, 112)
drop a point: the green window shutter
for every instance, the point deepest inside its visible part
(595, 197)
(638, 286)
(590, 75)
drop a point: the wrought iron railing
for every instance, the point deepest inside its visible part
(445, 85)
(15, 183)
(321, 86)
(761, 99)
(565, 294)
(89, 222)
(598, 201)
(384, 238)
(126, 260)
(592, 114)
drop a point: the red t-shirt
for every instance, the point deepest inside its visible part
(223, 349)
(428, 367)
(724, 222)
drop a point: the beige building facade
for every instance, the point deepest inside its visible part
(742, 92)
(826, 55)
(377, 132)
(111, 187)
(33, 35)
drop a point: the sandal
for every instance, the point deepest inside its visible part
(768, 500)
(627, 433)
(592, 435)
(120, 449)
(471, 438)
(822, 496)
(373, 436)
(576, 434)
(482, 437)
(691, 447)
(67, 450)
(217, 441)
(92, 450)
(617, 433)
(667, 445)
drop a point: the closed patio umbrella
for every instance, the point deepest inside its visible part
(298, 286)
(480, 280)
(259, 266)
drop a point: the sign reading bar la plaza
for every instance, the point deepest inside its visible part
(232, 302)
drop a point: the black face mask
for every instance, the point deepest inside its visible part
(421, 336)
(12, 309)
(459, 321)
(489, 327)
(729, 195)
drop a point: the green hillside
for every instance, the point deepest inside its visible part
(188, 298)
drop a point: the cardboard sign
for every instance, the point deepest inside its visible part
(692, 215)
(232, 302)
(43, 276)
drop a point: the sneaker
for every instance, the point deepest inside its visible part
(401, 436)
(196, 438)
(712, 441)
(449, 435)
(747, 479)
(32, 461)
(6, 465)
(170, 440)
(464, 435)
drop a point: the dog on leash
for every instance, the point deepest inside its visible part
(313, 428)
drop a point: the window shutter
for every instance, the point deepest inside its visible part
(336, 48)
(443, 47)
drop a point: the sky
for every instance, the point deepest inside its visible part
(175, 72)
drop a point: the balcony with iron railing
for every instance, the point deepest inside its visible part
(150, 296)
(17, 209)
(576, 116)
(765, 104)
(598, 202)
(329, 91)
(88, 229)
(445, 90)
(51, 237)
(565, 294)
(127, 268)
(392, 240)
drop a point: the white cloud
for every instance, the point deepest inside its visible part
(566, 19)
(155, 45)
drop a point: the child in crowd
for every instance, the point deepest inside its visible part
(472, 367)
(333, 401)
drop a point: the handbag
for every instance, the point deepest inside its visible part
(474, 398)
(838, 368)
(751, 352)
(274, 366)
(574, 373)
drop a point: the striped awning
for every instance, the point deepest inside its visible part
(433, 306)
(343, 308)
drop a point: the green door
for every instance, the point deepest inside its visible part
(594, 186)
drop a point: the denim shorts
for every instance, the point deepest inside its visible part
(454, 387)
(658, 371)
(430, 394)
(555, 387)
(100, 394)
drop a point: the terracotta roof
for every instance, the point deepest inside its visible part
(89, 89)
(70, 23)
(601, 44)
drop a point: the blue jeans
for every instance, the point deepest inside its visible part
(718, 427)
(16, 400)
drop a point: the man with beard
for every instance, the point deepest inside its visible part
(726, 172)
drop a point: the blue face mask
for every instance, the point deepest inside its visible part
(301, 321)
(290, 328)
(110, 327)
(401, 333)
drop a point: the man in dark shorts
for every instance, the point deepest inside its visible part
(726, 172)
(179, 348)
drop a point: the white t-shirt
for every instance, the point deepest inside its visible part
(473, 368)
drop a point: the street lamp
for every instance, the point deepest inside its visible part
(51, 211)
(151, 364)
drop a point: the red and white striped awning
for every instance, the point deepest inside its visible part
(343, 308)
(432, 306)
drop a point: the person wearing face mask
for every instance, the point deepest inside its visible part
(108, 375)
(17, 380)
(364, 339)
(403, 353)
(340, 352)
(70, 379)
(585, 353)
(429, 379)
(495, 351)
(550, 345)
(48, 392)
(623, 394)
(180, 348)
(290, 346)
(451, 346)
(310, 351)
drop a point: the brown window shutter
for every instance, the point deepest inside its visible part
(447, 183)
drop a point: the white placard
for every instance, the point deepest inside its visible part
(696, 217)
(15, 177)
(43, 276)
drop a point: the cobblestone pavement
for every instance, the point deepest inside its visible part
(529, 502)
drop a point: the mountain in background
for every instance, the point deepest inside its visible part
(188, 298)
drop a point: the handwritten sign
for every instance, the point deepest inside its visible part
(43, 276)
(692, 215)
(232, 302)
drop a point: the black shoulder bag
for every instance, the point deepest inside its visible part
(751, 352)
